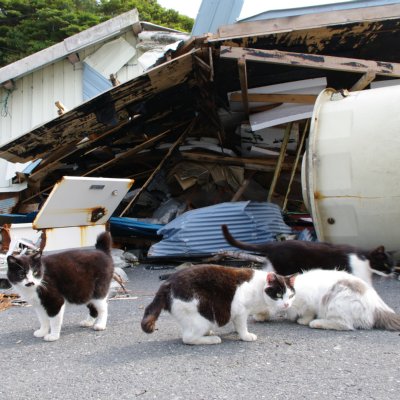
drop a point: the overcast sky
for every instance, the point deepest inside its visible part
(250, 7)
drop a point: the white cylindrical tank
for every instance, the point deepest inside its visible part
(351, 169)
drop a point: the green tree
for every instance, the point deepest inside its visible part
(150, 11)
(27, 26)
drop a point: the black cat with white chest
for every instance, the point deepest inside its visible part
(294, 256)
(80, 276)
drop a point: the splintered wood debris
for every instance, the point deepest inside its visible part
(9, 300)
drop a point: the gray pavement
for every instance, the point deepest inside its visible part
(287, 361)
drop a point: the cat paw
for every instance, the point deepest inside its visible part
(213, 340)
(51, 337)
(99, 327)
(249, 337)
(40, 332)
(304, 320)
(86, 323)
(201, 340)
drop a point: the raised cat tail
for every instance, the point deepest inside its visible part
(103, 242)
(236, 243)
(160, 302)
(385, 319)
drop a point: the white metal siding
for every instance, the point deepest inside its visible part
(31, 103)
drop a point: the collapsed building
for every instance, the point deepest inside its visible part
(194, 121)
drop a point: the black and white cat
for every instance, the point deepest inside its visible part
(207, 296)
(293, 256)
(80, 276)
(329, 299)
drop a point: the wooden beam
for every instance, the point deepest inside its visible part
(295, 164)
(128, 153)
(307, 22)
(279, 163)
(256, 164)
(55, 159)
(276, 98)
(243, 187)
(311, 60)
(61, 108)
(243, 84)
(155, 172)
(364, 81)
(210, 57)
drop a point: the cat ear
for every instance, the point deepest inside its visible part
(11, 261)
(378, 250)
(37, 256)
(291, 279)
(271, 277)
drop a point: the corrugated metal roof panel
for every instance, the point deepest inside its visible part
(294, 11)
(212, 14)
(199, 231)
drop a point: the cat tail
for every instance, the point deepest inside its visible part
(385, 319)
(236, 243)
(104, 242)
(160, 302)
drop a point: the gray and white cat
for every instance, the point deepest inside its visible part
(204, 297)
(79, 276)
(329, 299)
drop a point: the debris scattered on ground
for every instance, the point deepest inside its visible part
(9, 300)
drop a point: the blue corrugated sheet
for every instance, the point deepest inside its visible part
(93, 82)
(199, 232)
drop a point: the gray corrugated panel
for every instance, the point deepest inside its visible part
(214, 13)
(199, 231)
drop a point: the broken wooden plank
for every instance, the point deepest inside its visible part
(210, 56)
(307, 22)
(295, 163)
(311, 60)
(257, 164)
(243, 85)
(279, 163)
(155, 172)
(61, 108)
(55, 160)
(364, 81)
(275, 98)
(243, 187)
(128, 153)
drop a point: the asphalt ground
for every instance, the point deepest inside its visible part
(288, 361)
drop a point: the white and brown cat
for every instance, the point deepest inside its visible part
(80, 276)
(205, 297)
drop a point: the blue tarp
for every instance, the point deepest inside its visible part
(199, 231)
(122, 226)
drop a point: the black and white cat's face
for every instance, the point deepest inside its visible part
(25, 270)
(381, 261)
(279, 290)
